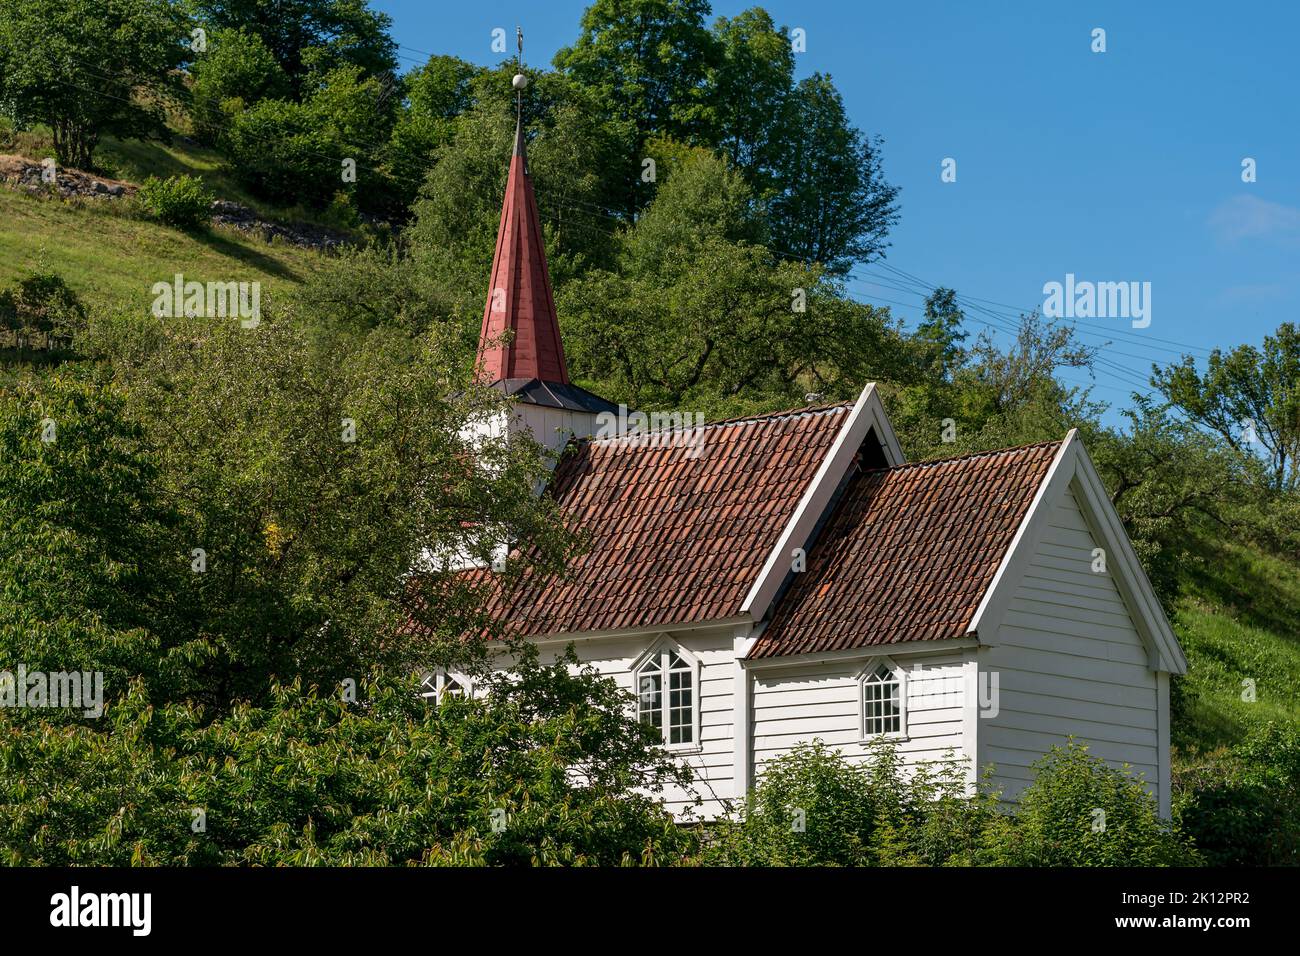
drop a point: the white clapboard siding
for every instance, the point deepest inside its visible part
(713, 761)
(1069, 662)
(797, 705)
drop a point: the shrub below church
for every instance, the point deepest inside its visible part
(814, 808)
(1080, 811)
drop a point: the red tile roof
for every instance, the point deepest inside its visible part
(672, 538)
(907, 554)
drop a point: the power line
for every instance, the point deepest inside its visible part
(1114, 370)
(1144, 339)
(996, 316)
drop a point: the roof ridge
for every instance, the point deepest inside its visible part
(969, 455)
(742, 420)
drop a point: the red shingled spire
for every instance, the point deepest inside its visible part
(519, 297)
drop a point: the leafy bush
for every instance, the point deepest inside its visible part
(311, 779)
(1242, 806)
(180, 201)
(814, 808)
(1060, 820)
(41, 304)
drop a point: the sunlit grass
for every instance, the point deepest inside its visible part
(1238, 623)
(112, 260)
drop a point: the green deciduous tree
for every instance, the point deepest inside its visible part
(234, 72)
(941, 333)
(314, 473)
(832, 204)
(646, 60)
(87, 68)
(307, 152)
(1249, 396)
(310, 36)
(1175, 486)
(699, 312)
(89, 567)
(748, 92)
(435, 95)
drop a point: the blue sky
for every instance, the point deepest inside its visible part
(1117, 166)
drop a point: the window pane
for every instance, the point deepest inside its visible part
(650, 698)
(882, 703)
(681, 707)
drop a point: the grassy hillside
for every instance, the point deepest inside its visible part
(112, 260)
(136, 160)
(1239, 620)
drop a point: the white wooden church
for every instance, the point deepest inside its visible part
(768, 581)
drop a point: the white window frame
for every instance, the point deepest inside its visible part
(438, 682)
(899, 675)
(658, 653)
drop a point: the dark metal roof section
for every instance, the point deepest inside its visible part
(554, 395)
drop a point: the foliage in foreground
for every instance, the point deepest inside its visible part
(239, 506)
(814, 808)
(1242, 805)
(311, 779)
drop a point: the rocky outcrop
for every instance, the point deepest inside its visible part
(19, 172)
(29, 176)
(237, 216)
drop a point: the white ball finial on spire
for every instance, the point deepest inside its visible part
(519, 82)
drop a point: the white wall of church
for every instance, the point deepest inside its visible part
(712, 758)
(1069, 661)
(822, 701)
(553, 427)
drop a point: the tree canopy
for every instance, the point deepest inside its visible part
(87, 68)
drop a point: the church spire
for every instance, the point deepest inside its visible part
(520, 300)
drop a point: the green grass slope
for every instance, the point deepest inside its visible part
(112, 259)
(1239, 621)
